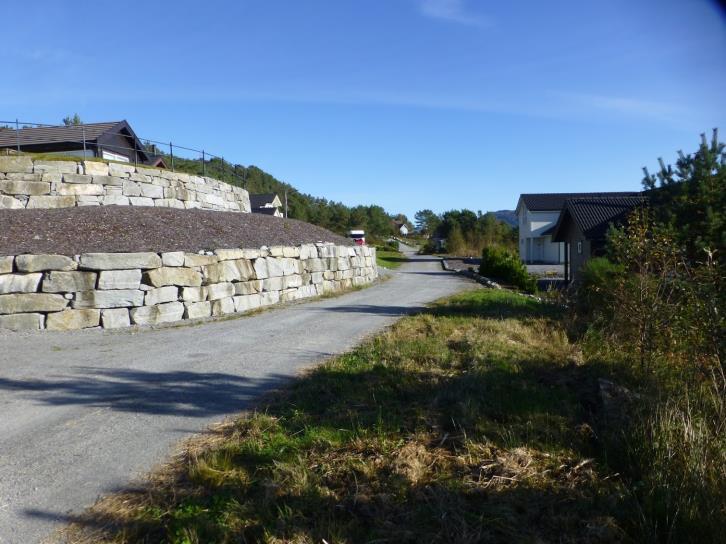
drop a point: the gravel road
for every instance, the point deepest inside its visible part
(82, 414)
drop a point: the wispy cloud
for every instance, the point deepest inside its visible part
(623, 105)
(553, 104)
(453, 11)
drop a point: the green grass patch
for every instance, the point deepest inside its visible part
(465, 423)
(389, 259)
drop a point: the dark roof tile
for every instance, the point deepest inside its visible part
(260, 200)
(594, 215)
(538, 202)
(46, 135)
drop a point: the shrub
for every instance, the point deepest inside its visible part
(389, 245)
(594, 300)
(658, 317)
(455, 243)
(500, 263)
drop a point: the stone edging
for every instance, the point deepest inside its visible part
(34, 183)
(473, 275)
(114, 290)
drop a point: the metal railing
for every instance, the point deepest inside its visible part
(149, 147)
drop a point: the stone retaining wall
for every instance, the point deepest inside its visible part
(33, 183)
(113, 290)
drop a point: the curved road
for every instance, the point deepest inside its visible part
(83, 413)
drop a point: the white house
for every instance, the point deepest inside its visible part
(537, 216)
(400, 227)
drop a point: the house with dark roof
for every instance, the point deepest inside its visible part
(114, 141)
(537, 214)
(400, 227)
(583, 225)
(266, 203)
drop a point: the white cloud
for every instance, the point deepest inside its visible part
(451, 10)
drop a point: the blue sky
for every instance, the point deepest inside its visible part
(410, 104)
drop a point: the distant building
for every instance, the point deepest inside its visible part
(537, 215)
(115, 141)
(583, 224)
(401, 228)
(266, 203)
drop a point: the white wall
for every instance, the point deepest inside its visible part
(532, 245)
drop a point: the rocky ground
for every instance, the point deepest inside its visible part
(71, 231)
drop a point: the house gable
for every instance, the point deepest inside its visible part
(265, 200)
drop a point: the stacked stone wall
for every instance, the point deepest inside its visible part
(33, 183)
(113, 290)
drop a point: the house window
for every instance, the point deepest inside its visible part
(579, 247)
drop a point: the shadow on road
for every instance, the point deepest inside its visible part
(178, 393)
(430, 273)
(418, 259)
(392, 311)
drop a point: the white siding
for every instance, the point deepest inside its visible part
(533, 246)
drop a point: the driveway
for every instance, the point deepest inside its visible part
(555, 271)
(83, 413)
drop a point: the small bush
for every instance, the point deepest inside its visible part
(499, 263)
(430, 247)
(594, 300)
(389, 245)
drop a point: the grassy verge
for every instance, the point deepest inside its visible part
(389, 259)
(468, 423)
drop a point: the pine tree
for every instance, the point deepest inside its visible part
(691, 199)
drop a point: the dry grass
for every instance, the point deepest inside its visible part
(469, 423)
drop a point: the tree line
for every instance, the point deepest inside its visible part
(464, 231)
(335, 216)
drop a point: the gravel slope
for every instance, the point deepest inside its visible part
(71, 231)
(85, 412)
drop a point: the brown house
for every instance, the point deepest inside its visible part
(583, 225)
(114, 141)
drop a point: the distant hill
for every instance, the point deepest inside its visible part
(507, 216)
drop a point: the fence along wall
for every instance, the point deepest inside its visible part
(113, 290)
(34, 183)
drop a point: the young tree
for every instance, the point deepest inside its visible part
(72, 120)
(455, 243)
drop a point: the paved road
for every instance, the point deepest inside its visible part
(81, 414)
